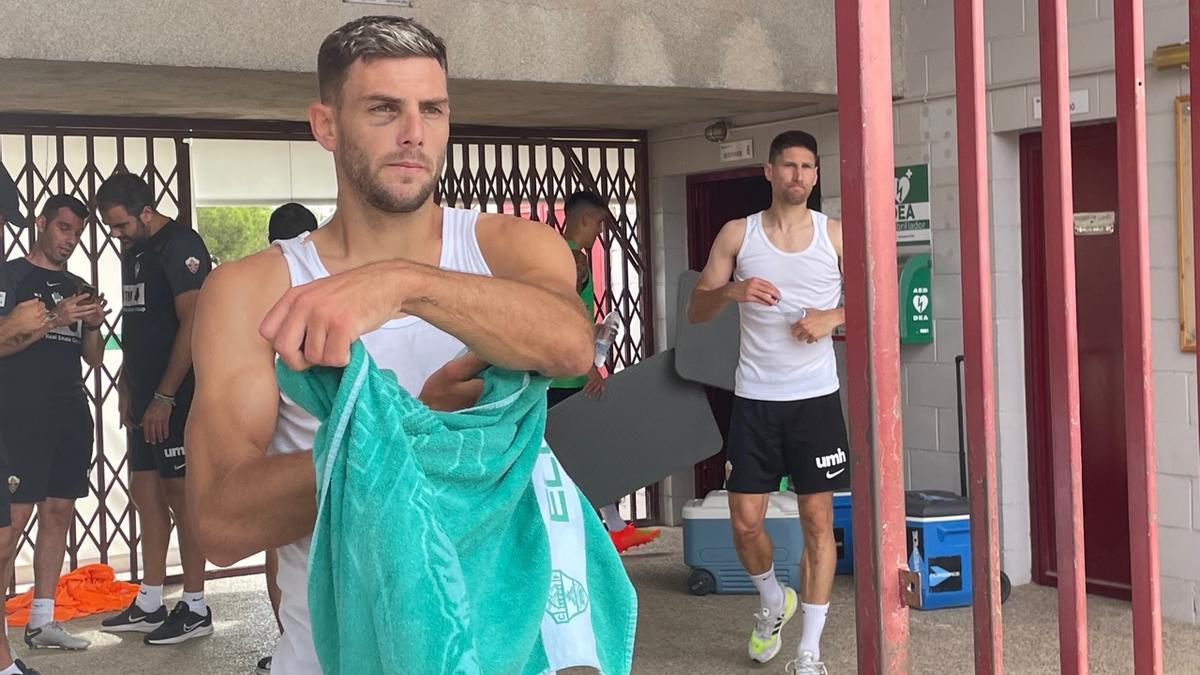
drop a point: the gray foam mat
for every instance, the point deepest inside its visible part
(706, 353)
(649, 424)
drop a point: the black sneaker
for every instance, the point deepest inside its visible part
(264, 666)
(135, 620)
(25, 670)
(182, 625)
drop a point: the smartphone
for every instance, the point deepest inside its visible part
(89, 291)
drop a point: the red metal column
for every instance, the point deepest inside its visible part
(1133, 230)
(974, 229)
(1063, 343)
(872, 327)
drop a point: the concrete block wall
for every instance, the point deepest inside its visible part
(925, 130)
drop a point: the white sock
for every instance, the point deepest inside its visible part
(612, 518)
(769, 589)
(41, 612)
(814, 624)
(12, 669)
(196, 602)
(149, 598)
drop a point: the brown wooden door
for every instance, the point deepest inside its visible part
(713, 200)
(1098, 297)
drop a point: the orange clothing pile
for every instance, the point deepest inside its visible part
(91, 589)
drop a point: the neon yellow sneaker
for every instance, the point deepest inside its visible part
(764, 641)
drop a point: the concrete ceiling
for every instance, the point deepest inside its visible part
(34, 86)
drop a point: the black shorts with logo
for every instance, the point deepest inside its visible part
(803, 439)
(49, 452)
(168, 457)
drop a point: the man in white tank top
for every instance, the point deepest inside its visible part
(783, 268)
(415, 281)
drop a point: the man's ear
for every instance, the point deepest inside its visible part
(324, 126)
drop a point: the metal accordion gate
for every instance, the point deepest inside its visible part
(524, 172)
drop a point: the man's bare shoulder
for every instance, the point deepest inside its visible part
(506, 240)
(502, 226)
(257, 280)
(729, 239)
(834, 227)
(737, 226)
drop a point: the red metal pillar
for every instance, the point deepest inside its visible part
(974, 231)
(1194, 74)
(1133, 230)
(1063, 342)
(872, 327)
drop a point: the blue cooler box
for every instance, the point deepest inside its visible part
(843, 532)
(708, 543)
(939, 546)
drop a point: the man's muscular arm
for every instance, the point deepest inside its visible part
(243, 500)
(526, 317)
(714, 290)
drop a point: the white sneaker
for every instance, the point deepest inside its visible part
(54, 635)
(805, 664)
(765, 640)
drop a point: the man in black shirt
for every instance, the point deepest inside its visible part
(44, 413)
(163, 264)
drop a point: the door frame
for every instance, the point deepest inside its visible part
(1037, 404)
(694, 181)
(708, 472)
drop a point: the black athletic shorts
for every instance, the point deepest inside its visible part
(804, 439)
(168, 457)
(49, 452)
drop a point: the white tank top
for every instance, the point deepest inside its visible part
(773, 365)
(409, 347)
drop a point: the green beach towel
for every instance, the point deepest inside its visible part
(452, 542)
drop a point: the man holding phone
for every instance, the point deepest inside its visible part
(51, 318)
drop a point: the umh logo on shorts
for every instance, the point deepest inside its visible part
(827, 461)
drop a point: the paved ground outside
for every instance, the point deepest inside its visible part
(677, 632)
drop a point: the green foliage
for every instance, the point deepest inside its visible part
(233, 232)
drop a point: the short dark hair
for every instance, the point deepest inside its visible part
(792, 139)
(372, 37)
(64, 201)
(290, 221)
(584, 199)
(127, 190)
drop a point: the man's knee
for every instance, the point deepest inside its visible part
(816, 517)
(8, 542)
(145, 490)
(746, 515)
(173, 491)
(20, 514)
(746, 529)
(56, 513)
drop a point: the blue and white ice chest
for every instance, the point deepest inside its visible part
(708, 543)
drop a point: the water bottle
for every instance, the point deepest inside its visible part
(791, 313)
(606, 335)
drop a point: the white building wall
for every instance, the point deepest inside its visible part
(925, 130)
